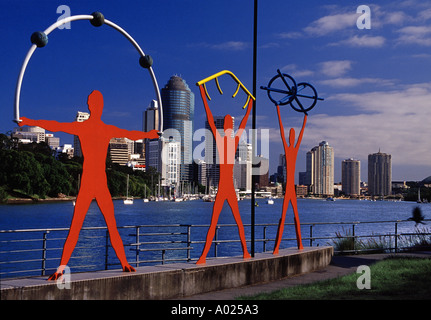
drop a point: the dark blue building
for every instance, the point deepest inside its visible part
(178, 114)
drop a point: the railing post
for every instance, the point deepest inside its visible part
(396, 237)
(215, 241)
(44, 252)
(264, 239)
(163, 256)
(353, 237)
(137, 246)
(106, 249)
(311, 235)
(188, 242)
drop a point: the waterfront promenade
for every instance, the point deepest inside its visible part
(172, 281)
(340, 266)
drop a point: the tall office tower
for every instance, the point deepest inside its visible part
(202, 172)
(379, 174)
(351, 177)
(320, 160)
(281, 169)
(178, 114)
(211, 154)
(262, 180)
(80, 117)
(151, 117)
(164, 156)
(242, 167)
(309, 176)
(150, 121)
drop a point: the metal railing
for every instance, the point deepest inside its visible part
(32, 252)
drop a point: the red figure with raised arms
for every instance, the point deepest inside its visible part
(226, 147)
(94, 136)
(291, 152)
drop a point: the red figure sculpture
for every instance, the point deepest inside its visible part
(226, 147)
(291, 152)
(94, 136)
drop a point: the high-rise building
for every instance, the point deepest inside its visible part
(320, 168)
(262, 180)
(201, 172)
(242, 167)
(150, 121)
(151, 117)
(80, 117)
(351, 177)
(281, 169)
(379, 174)
(178, 114)
(164, 155)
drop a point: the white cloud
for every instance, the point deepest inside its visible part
(335, 68)
(290, 35)
(295, 72)
(395, 121)
(346, 82)
(363, 41)
(228, 45)
(332, 23)
(420, 35)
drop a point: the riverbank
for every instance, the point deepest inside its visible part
(34, 200)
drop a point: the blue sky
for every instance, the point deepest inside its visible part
(376, 82)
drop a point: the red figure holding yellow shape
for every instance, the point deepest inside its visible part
(291, 152)
(94, 136)
(226, 147)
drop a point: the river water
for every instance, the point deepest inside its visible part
(166, 214)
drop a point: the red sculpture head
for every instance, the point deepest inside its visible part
(228, 122)
(291, 136)
(95, 104)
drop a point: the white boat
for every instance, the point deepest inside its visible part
(145, 199)
(128, 200)
(270, 201)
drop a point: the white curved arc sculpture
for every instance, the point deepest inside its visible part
(84, 17)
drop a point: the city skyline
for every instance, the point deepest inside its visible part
(374, 81)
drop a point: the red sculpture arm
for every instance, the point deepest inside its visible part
(210, 117)
(243, 123)
(302, 132)
(51, 125)
(132, 134)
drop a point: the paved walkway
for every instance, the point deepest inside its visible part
(339, 266)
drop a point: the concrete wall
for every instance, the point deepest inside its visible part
(172, 280)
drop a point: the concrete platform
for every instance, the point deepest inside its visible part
(172, 281)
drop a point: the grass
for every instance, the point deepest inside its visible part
(346, 243)
(399, 278)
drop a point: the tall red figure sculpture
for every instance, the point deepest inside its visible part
(226, 147)
(291, 152)
(94, 136)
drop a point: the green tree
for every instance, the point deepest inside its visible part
(55, 174)
(20, 170)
